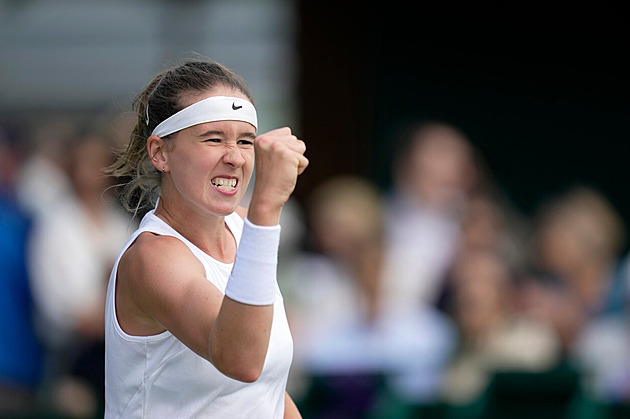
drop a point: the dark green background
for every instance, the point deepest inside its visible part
(542, 91)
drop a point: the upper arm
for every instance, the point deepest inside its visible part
(162, 284)
(290, 409)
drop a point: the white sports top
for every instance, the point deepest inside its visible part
(159, 377)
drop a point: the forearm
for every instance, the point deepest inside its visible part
(240, 339)
(240, 336)
(264, 211)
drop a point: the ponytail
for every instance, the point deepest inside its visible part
(133, 165)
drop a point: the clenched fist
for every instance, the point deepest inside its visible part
(279, 160)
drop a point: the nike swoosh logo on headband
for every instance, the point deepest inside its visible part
(236, 108)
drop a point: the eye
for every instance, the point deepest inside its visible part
(245, 142)
(212, 140)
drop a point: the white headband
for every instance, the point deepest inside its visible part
(215, 108)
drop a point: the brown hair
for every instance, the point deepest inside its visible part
(606, 236)
(162, 98)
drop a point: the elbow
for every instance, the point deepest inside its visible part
(247, 376)
(240, 369)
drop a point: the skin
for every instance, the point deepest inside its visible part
(162, 286)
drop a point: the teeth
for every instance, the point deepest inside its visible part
(225, 184)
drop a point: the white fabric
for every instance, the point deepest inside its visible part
(40, 184)
(215, 108)
(253, 280)
(421, 244)
(69, 259)
(601, 350)
(159, 377)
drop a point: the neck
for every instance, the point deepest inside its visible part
(208, 232)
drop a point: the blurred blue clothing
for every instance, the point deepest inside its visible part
(21, 354)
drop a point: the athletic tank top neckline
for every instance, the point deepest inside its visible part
(229, 222)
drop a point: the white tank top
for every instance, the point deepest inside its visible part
(159, 377)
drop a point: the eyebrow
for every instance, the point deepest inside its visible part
(217, 132)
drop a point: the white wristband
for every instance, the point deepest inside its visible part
(253, 279)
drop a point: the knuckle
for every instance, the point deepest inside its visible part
(262, 139)
(276, 146)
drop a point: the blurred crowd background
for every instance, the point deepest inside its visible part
(457, 248)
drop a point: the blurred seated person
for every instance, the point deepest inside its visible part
(20, 349)
(490, 222)
(73, 247)
(493, 336)
(43, 180)
(601, 346)
(340, 324)
(575, 255)
(434, 171)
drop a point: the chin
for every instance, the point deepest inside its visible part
(222, 210)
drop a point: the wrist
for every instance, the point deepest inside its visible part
(263, 213)
(253, 278)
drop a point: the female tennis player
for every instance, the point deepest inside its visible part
(195, 321)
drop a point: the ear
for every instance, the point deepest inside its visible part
(157, 153)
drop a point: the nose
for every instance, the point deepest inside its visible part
(233, 156)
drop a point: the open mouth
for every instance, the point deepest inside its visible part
(224, 184)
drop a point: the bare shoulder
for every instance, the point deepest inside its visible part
(242, 211)
(157, 251)
(158, 279)
(154, 261)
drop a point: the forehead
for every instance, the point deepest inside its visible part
(219, 90)
(229, 128)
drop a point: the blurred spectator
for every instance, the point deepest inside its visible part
(74, 244)
(20, 350)
(434, 172)
(490, 222)
(602, 347)
(347, 231)
(43, 178)
(339, 323)
(576, 248)
(493, 335)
